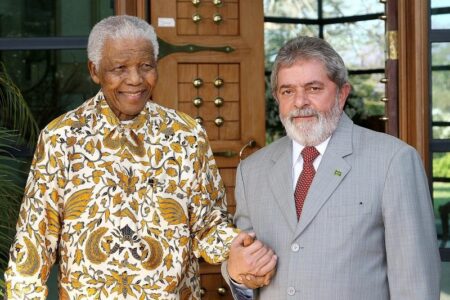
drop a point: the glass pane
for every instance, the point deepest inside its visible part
(275, 35)
(52, 82)
(440, 85)
(441, 192)
(305, 9)
(360, 44)
(440, 14)
(339, 8)
(440, 3)
(441, 198)
(31, 18)
(364, 105)
(445, 281)
(441, 132)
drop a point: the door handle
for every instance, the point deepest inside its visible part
(229, 153)
(250, 144)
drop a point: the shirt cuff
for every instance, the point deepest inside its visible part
(240, 291)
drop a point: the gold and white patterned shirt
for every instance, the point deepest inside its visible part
(126, 206)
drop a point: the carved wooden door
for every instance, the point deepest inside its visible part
(216, 75)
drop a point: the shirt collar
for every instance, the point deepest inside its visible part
(110, 119)
(297, 149)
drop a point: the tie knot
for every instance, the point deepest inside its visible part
(309, 154)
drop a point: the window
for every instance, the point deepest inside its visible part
(43, 47)
(439, 46)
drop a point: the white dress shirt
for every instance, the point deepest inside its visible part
(297, 160)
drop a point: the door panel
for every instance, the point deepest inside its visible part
(224, 90)
(392, 122)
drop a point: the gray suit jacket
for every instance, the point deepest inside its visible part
(367, 228)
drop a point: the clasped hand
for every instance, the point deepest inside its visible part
(251, 262)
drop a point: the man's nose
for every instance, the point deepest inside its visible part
(301, 99)
(134, 76)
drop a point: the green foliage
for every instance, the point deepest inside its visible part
(14, 111)
(441, 165)
(16, 126)
(10, 191)
(441, 195)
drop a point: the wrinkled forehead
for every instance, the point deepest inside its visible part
(302, 60)
(309, 66)
(127, 47)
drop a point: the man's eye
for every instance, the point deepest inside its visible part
(286, 92)
(148, 66)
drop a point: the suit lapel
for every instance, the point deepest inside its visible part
(332, 170)
(280, 181)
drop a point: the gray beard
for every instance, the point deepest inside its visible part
(312, 133)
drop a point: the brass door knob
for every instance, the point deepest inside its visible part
(219, 121)
(196, 18)
(384, 118)
(383, 80)
(197, 82)
(199, 120)
(383, 17)
(217, 18)
(198, 101)
(384, 99)
(217, 2)
(196, 2)
(221, 291)
(218, 101)
(218, 82)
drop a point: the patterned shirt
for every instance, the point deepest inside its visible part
(128, 207)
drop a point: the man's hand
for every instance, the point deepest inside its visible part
(250, 257)
(254, 282)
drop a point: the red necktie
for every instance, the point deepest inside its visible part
(309, 154)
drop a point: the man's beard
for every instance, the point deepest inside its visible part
(312, 132)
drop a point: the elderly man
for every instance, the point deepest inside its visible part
(347, 210)
(123, 191)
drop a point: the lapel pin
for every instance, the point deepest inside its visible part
(337, 173)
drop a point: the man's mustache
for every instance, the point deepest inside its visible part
(303, 112)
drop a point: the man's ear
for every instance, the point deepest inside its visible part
(274, 95)
(93, 71)
(343, 94)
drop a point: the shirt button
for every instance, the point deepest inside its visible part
(291, 291)
(295, 247)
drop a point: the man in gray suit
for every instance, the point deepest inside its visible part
(346, 210)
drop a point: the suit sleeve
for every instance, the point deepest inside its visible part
(33, 250)
(413, 261)
(243, 222)
(209, 220)
(241, 216)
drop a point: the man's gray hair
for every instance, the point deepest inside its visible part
(304, 47)
(119, 27)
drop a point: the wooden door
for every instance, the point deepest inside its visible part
(391, 113)
(222, 85)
